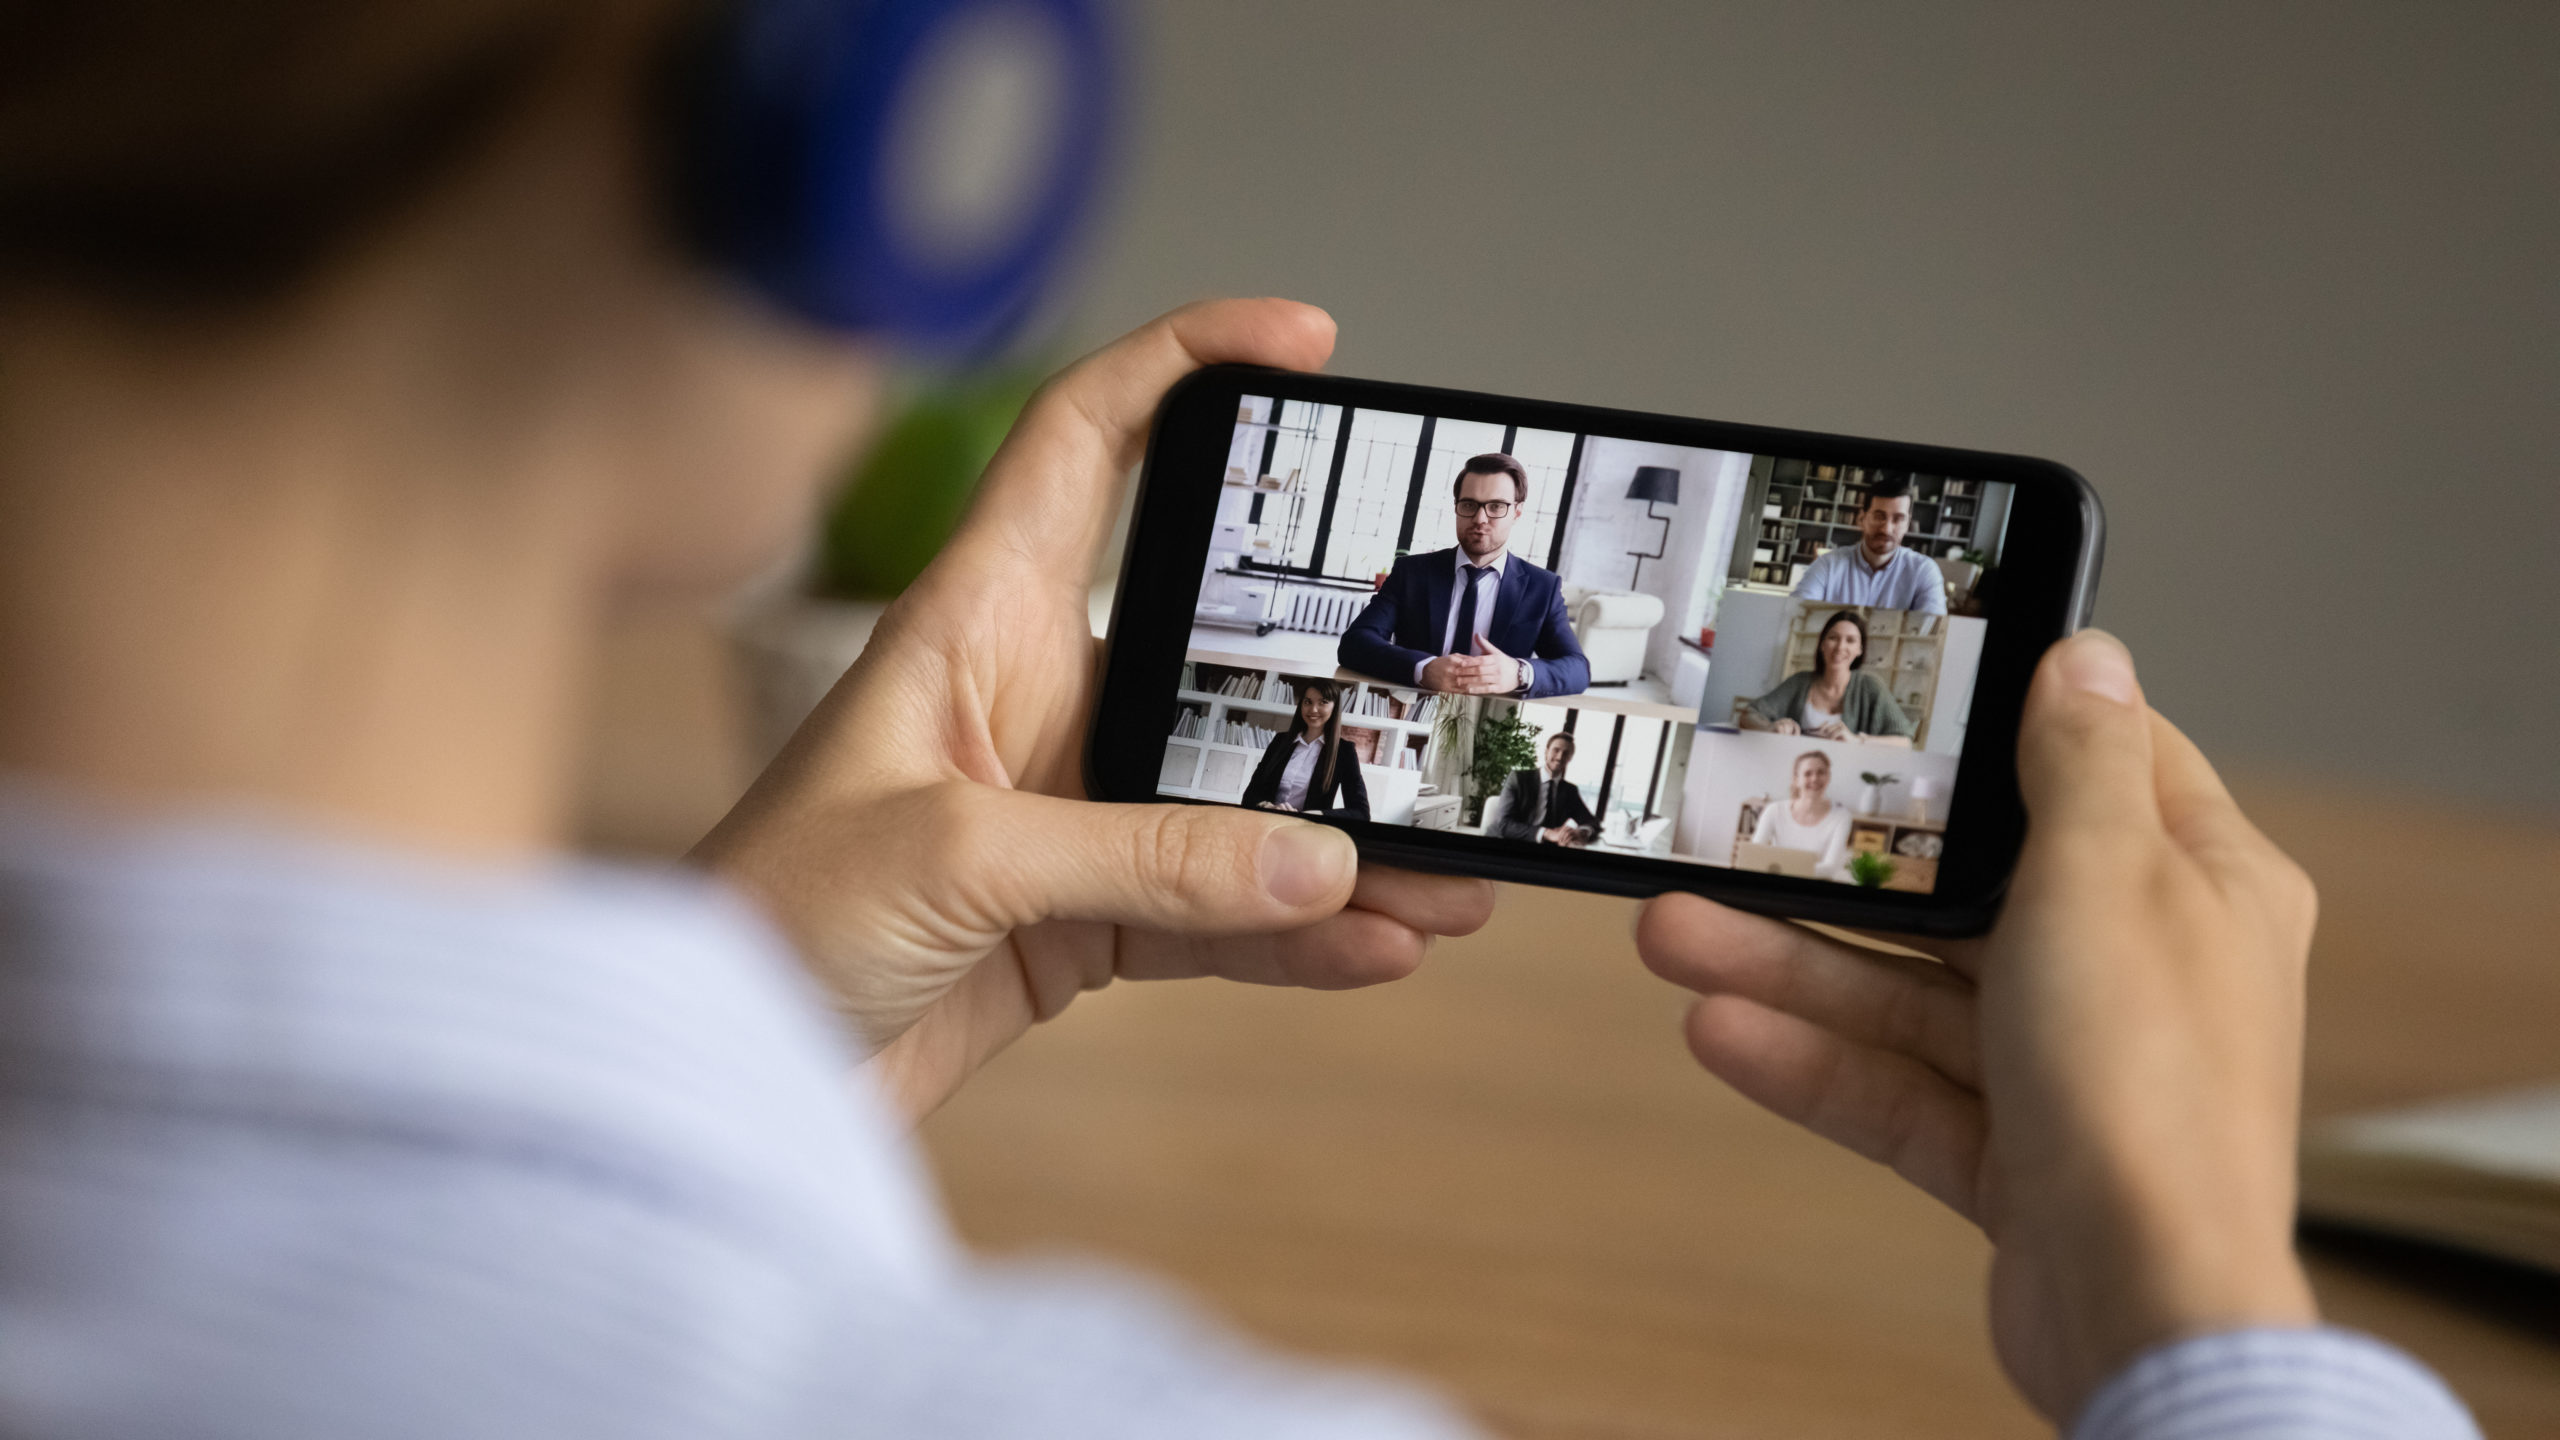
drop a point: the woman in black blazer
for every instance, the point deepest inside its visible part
(1327, 781)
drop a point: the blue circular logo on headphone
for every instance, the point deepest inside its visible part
(911, 168)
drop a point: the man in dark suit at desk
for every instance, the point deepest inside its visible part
(1475, 620)
(1543, 805)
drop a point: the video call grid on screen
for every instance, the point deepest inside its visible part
(1700, 655)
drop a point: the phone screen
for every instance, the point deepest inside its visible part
(1594, 644)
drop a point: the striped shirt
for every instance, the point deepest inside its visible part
(301, 1140)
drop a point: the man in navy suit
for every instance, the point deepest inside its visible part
(1476, 620)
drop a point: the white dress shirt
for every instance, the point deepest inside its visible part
(1300, 772)
(1488, 591)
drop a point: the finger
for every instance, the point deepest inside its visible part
(985, 861)
(2194, 804)
(1051, 490)
(1434, 904)
(988, 1009)
(1962, 956)
(2084, 742)
(1039, 971)
(2209, 825)
(1384, 933)
(1887, 1107)
(1901, 1003)
(1345, 951)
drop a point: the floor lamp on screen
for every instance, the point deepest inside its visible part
(1654, 485)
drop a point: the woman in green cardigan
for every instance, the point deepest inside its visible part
(1835, 700)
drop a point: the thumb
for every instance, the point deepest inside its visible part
(1197, 869)
(2084, 742)
(1052, 489)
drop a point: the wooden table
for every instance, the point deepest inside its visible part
(1506, 1175)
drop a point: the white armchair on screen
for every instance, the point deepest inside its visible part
(1613, 626)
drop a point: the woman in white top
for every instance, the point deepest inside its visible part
(1809, 820)
(1306, 769)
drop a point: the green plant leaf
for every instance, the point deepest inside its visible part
(907, 493)
(1504, 743)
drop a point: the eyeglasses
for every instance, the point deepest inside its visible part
(1470, 509)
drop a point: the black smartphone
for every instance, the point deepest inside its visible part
(1592, 648)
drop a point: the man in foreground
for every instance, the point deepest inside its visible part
(335, 1100)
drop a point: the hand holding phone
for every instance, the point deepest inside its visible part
(924, 837)
(2107, 1083)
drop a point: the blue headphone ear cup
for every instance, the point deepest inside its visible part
(814, 160)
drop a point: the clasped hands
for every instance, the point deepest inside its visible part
(2106, 1084)
(1486, 672)
(1833, 729)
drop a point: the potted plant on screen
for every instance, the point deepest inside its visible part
(901, 499)
(1871, 792)
(1504, 743)
(1871, 868)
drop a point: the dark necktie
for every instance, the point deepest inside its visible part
(1462, 638)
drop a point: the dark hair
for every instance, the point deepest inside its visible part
(1836, 617)
(192, 152)
(1322, 783)
(1887, 487)
(1493, 464)
(1564, 735)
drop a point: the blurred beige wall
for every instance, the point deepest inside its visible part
(2283, 280)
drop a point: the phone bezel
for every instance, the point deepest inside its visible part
(2049, 574)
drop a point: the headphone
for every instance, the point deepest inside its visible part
(913, 169)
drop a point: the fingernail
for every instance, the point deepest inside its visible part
(1302, 864)
(2097, 662)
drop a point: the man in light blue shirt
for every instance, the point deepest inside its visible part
(355, 382)
(1879, 571)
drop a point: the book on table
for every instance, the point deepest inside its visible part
(2481, 1174)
